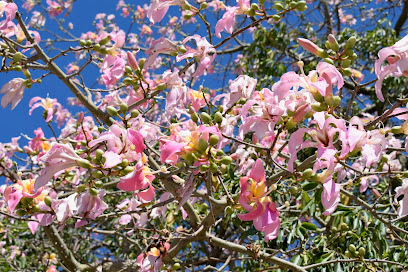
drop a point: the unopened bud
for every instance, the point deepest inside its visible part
(322, 53)
(142, 63)
(181, 49)
(301, 6)
(134, 113)
(202, 145)
(254, 6)
(98, 174)
(48, 201)
(351, 42)
(347, 72)
(111, 111)
(161, 86)
(396, 130)
(84, 163)
(213, 167)
(218, 117)
(99, 153)
(98, 184)
(214, 139)
(203, 168)
(346, 63)
(203, 5)
(276, 17)
(127, 170)
(105, 40)
(227, 160)
(205, 118)
(123, 108)
(93, 192)
(278, 6)
(132, 61)
(17, 57)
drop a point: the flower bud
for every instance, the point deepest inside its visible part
(84, 163)
(123, 107)
(205, 118)
(203, 168)
(352, 248)
(349, 52)
(127, 81)
(128, 70)
(93, 192)
(17, 68)
(329, 61)
(127, 170)
(276, 17)
(327, 45)
(214, 139)
(307, 174)
(213, 167)
(396, 130)
(176, 266)
(132, 61)
(17, 57)
(219, 153)
(98, 174)
(255, 6)
(161, 86)
(181, 49)
(361, 251)
(290, 123)
(353, 57)
(99, 153)
(336, 101)
(134, 113)
(278, 6)
(202, 145)
(301, 6)
(227, 160)
(351, 42)
(218, 117)
(98, 184)
(194, 117)
(292, 4)
(347, 72)
(346, 63)
(88, 43)
(96, 47)
(81, 188)
(35, 209)
(203, 5)
(105, 40)
(322, 53)
(48, 201)
(82, 42)
(250, 12)
(142, 63)
(112, 111)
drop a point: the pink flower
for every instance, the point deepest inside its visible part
(15, 192)
(254, 199)
(242, 87)
(158, 9)
(396, 56)
(330, 196)
(204, 54)
(113, 69)
(89, 206)
(140, 179)
(152, 260)
(120, 144)
(60, 157)
(10, 10)
(403, 204)
(51, 106)
(54, 8)
(13, 92)
(157, 47)
(228, 19)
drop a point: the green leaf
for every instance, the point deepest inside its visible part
(309, 226)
